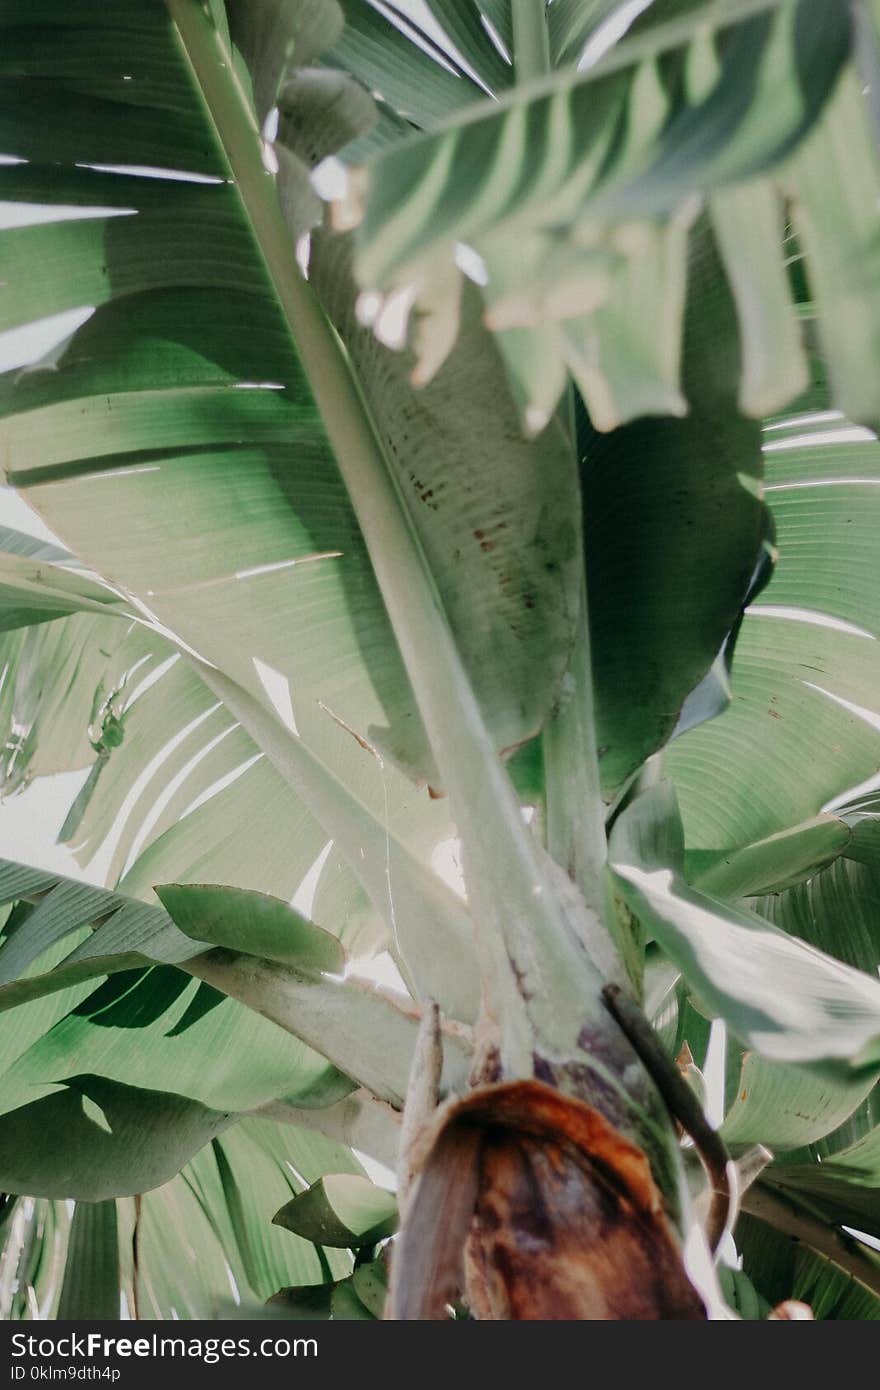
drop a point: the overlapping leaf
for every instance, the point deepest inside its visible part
(804, 723)
(816, 882)
(245, 543)
(588, 176)
(844, 1188)
(674, 532)
(199, 1246)
(781, 997)
(150, 1037)
(501, 544)
(161, 744)
(781, 1268)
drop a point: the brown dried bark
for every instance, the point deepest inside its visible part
(534, 1206)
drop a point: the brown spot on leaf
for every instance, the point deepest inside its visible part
(337, 719)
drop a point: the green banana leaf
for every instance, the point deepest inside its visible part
(588, 175)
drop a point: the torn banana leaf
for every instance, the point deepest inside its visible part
(589, 173)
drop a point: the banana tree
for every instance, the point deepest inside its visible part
(464, 452)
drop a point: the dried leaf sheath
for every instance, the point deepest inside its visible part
(535, 1207)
